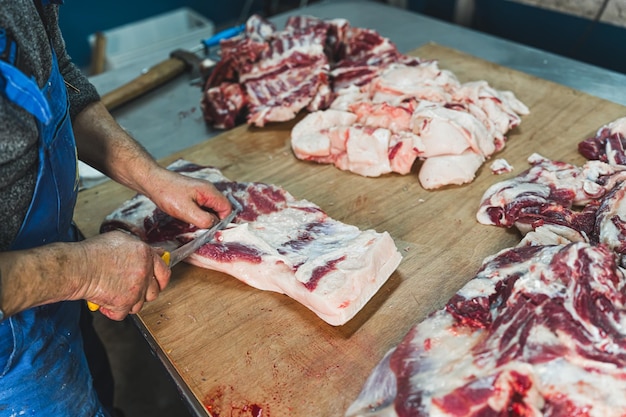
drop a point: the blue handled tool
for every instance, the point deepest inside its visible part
(224, 34)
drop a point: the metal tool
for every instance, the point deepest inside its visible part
(157, 75)
(177, 255)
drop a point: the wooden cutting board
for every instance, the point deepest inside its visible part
(245, 352)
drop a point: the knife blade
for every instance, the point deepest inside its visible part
(177, 255)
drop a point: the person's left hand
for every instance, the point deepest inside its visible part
(184, 198)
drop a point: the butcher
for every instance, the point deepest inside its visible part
(51, 362)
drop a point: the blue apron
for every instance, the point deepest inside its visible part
(43, 368)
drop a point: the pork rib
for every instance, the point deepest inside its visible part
(277, 243)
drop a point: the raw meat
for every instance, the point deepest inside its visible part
(608, 143)
(501, 166)
(280, 73)
(452, 139)
(300, 67)
(314, 64)
(537, 332)
(568, 202)
(277, 243)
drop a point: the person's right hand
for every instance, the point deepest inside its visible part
(121, 273)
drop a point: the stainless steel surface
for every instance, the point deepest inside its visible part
(170, 119)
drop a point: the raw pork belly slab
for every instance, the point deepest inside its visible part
(538, 332)
(277, 243)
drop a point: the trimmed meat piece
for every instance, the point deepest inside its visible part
(332, 137)
(446, 131)
(441, 170)
(425, 81)
(501, 107)
(500, 166)
(277, 243)
(395, 118)
(321, 135)
(608, 145)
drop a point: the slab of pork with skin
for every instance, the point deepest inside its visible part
(277, 243)
(408, 113)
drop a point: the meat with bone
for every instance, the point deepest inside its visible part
(281, 72)
(277, 243)
(285, 71)
(366, 55)
(537, 332)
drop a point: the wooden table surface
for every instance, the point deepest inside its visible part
(239, 351)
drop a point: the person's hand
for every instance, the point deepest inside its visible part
(122, 273)
(188, 198)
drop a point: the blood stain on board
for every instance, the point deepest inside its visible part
(220, 404)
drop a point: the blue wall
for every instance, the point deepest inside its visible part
(599, 44)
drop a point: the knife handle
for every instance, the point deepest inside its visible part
(166, 258)
(96, 307)
(92, 306)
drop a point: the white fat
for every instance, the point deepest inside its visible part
(603, 396)
(477, 288)
(368, 152)
(449, 169)
(500, 166)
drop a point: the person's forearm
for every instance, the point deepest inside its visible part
(39, 276)
(104, 145)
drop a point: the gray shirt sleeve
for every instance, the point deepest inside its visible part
(19, 135)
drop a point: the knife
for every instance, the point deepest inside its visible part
(177, 255)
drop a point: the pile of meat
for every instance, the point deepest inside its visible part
(556, 202)
(539, 331)
(408, 113)
(276, 243)
(269, 75)
(372, 109)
